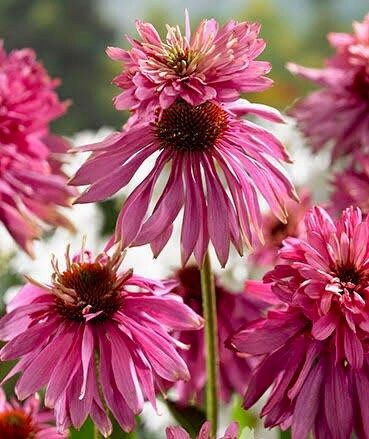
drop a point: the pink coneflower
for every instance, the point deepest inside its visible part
(26, 421)
(205, 432)
(233, 310)
(32, 185)
(339, 113)
(351, 185)
(214, 63)
(314, 344)
(275, 231)
(217, 162)
(97, 339)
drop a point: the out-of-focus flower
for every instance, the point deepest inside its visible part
(27, 420)
(351, 185)
(275, 231)
(314, 343)
(205, 432)
(214, 63)
(339, 113)
(32, 184)
(233, 310)
(209, 149)
(94, 335)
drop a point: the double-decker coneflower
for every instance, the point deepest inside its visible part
(218, 162)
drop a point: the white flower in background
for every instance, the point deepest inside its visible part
(307, 169)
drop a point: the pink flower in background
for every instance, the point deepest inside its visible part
(32, 184)
(95, 336)
(205, 432)
(314, 343)
(351, 185)
(233, 310)
(339, 112)
(217, 161)
(214, 63)
(275, 231)
(26, 421)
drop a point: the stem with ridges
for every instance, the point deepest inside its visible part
(97, 434)
(211, 342)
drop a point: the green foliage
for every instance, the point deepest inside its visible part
(285, 434)
(110, 210)
(245, 418)
(87, 431)
(70, 38)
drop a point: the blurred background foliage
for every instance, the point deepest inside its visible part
(70, 37)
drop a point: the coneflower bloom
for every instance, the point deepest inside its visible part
(339, 112)
(314, 344)
(97, 338)
(233, 310)
(217, 163)
(204, 433)
(27, 420)
(275, 231)
(215, 62)
(32, 184)
(351, 185)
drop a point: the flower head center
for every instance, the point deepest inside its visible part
(349, 277)
(87, 288)
(279, 232)
(16, 424)
(179, 60)
(187, 128)
(360, 85)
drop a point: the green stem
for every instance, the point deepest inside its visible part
(97, 434)
(211, 341)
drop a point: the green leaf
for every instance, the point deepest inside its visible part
(245, 418)
(190, 418)
(285, 434)
(86, 431)
(247, 433)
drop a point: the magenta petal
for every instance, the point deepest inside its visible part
(338, 403)
(307, 403)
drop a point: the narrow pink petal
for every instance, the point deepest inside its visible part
(307, 403)
(325, 326)
(217, 213)
(176, 433)
(338, 403)
(124, 370)
(134, 210)
(191, 220)
(87, 356)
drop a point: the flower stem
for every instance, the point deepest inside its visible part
(97, 434)
(211, 341)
